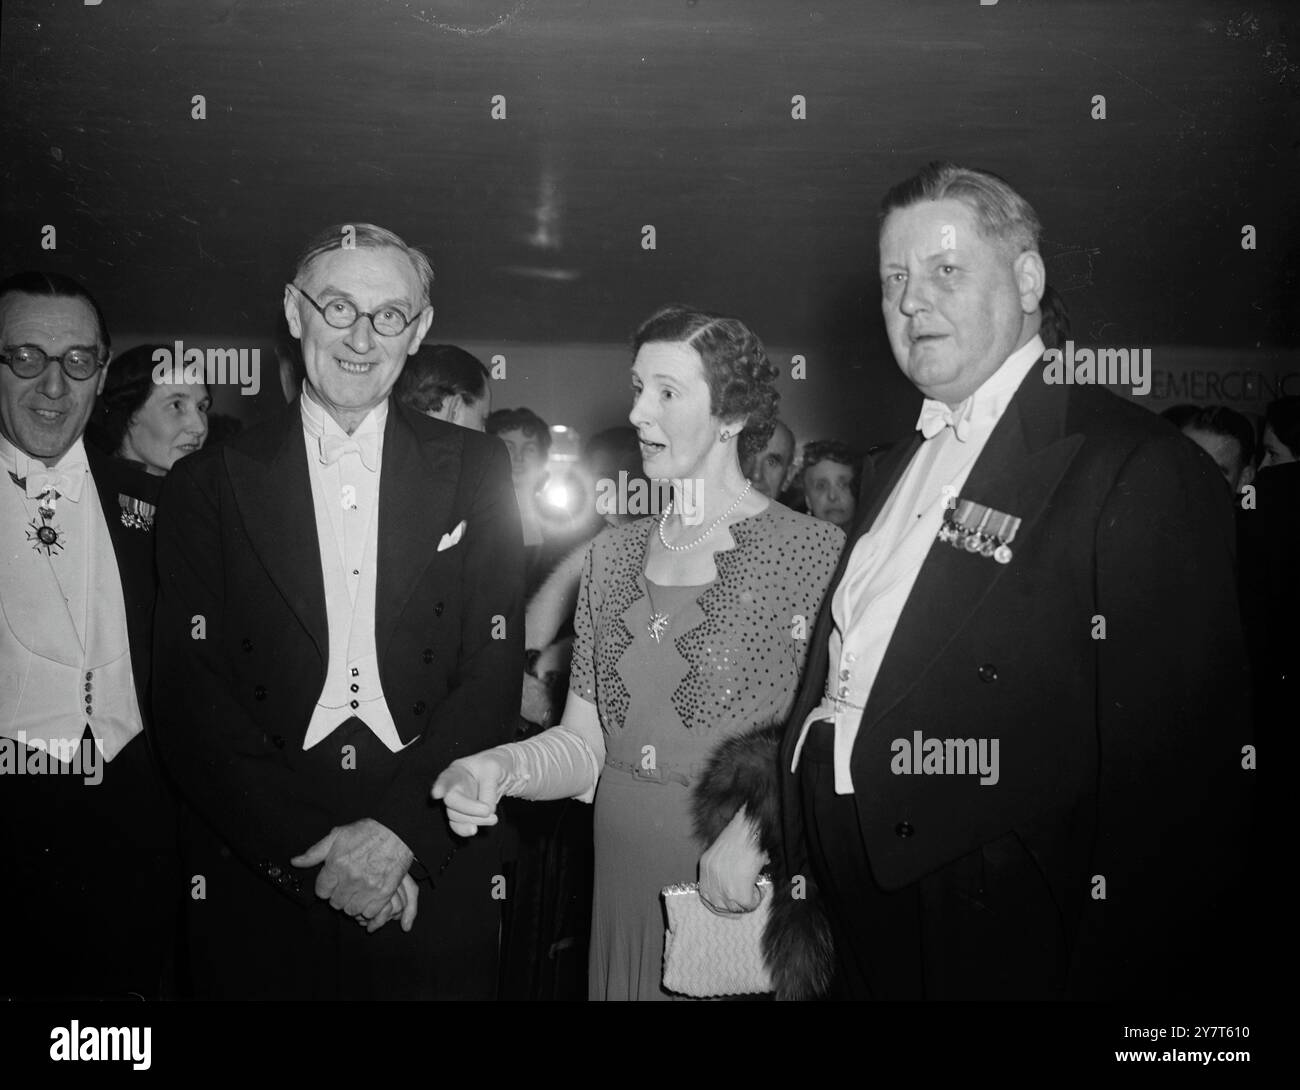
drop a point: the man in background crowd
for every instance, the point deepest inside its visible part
(1228, 438)
(770, 467)
(447, 383)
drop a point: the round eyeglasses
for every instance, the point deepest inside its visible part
(28, 361)
(343, 313)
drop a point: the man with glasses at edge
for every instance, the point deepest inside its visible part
(88, 852)
(358, 571)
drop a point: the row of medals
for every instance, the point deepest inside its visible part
(957, 532)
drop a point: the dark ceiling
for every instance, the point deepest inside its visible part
(622, 113)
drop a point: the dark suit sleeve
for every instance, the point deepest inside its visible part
(1172, 717)
(482, 707)
(222, 762)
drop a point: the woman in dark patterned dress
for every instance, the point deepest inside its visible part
(691, 627)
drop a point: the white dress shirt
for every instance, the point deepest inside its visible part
(345, 495)
(886, 560)
(65, 655)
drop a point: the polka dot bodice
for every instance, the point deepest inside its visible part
(743, 640)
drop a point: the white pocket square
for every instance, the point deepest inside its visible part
(448, 540)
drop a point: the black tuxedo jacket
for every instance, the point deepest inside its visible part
(133, 547)
(242, 643)
(1119, 757)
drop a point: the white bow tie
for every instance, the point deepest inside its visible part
(333, 447)
(66, 481)
(935, 416)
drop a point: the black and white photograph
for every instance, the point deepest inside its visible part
(661, 501)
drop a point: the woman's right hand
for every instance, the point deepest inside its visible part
(470, 787)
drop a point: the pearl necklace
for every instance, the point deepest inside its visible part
(663, 521)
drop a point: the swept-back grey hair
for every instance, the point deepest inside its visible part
(368, 235)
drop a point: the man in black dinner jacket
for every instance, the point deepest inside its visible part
(338, 617)
(1019, 765)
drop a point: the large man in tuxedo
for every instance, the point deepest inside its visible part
(1015, 768)
(338, 617)
(88, 851)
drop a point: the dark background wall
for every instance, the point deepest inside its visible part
(625, 113)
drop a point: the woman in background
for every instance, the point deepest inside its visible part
(150, 424)
(831, 474)
(147, 426)
(691, 628)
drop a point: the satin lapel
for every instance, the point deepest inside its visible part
(133, 550)
(814, 674)
(417, 486)
(1025, 457)
(268, 475)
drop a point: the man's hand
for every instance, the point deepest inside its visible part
(470, 787)
(403, 904)
(730, 866)
(365, 863)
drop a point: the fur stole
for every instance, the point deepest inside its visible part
(744, 771)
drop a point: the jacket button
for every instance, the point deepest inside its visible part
(903, 830)
(246, 644)
(355, 688)
(417, 708)
(273, 872)
(437, 609)
(278, 740)
(259, 693)
(427, 655)
(988, 672)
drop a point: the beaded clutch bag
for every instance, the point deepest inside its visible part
(708, 955)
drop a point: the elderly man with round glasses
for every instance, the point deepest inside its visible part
(88, 855)
(358, 568)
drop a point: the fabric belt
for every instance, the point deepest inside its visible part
(684, 775)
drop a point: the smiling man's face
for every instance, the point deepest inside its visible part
(45, 415)
(956, 304)
(350, 371)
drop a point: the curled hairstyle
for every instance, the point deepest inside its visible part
(437, 372)
(832, 450)
(742, 380)
(1002, 214)
(56, 285)
(126, 390)
(363, 236)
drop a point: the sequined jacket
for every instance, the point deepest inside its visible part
(744, 641)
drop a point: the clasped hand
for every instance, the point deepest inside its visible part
(365, 873)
